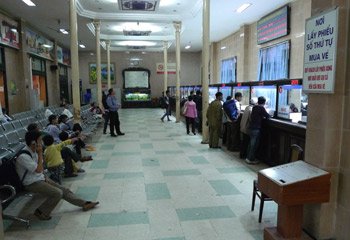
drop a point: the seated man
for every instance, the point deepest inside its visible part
(30, 169)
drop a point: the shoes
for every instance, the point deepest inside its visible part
(121, 134)
(216, 147)
(113, 135)
(86, 158)
(169, 120)
(70, 175)
(162, 119)
(194, 133)
(41, 216)
(89, 205)
(251, 162)
(80, 170)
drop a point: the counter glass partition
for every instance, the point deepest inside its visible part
(226, 91)
(245, 90)
(292, 103)
(270, 94)
(212, 92)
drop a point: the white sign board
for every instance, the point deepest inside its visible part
(292, 172)
(321, 35)
(171, 68)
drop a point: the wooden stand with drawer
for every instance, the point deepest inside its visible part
(291, 186)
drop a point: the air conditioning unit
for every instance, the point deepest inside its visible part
(139, 5)
(136, 33)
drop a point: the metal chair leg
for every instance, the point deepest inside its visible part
(18, 219)
(262, 201)
(254, 196)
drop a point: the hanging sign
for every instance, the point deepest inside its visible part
(171, 68)
(320, 49)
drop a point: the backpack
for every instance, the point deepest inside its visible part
(8, 173)
(162, 103)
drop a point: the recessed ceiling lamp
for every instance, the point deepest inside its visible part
(136, 43)
(188, 47)
(137, 26)
(243, 7)
(165, 3)
(64, 31)
(47, 46)
(29, 3)
(82, 45)
(223, 47)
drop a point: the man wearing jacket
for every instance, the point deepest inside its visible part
(232, 110)
(214, 116)
(113, 107)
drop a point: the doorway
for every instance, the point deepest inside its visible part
(39, 80)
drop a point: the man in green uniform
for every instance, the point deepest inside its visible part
(214, 116)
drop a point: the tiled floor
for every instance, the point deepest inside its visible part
(156, 183)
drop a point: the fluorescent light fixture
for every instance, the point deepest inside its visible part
(188, 47)
(135, 59)
(29, 3)
(243, 7)
(137, 26)
(143, 52)
(82, 45)
(223, 47)
(64, 31)
(47, 46)
(136, 43)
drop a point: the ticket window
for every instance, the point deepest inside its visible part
(270, 94)
(245, 90)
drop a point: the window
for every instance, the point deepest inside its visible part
(228, 70)
(273, 63)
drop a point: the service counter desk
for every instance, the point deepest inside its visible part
(276, 138)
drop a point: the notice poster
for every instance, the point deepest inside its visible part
(321, 35)
(171, 68)
(9, 32)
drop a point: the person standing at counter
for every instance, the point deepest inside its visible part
(113, 107)
(258, 114)
(214, 116)
(232, 110)
(245, 121)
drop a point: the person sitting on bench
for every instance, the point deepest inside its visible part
(30, 169)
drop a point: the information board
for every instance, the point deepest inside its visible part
(136, 79)
(320, 49)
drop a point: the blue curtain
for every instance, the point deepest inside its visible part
(228, 70)
(273, 62)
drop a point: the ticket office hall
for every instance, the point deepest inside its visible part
(279, 64)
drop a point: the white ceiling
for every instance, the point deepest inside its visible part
(50, 15)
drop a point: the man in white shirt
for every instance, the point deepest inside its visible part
(30, 169)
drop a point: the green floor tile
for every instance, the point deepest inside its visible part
(88, 193)
(182, 172)
(99, 164)
(169, 152)
(144, 135)
(171, 238)
(157, 191)
(107, 147)
(184, 144)
(198, 160)
(116, 219)
(150, 162)
(204, 213)
(146, 146)
(161, 139)
(224, 187)
(117, 153)
(234, 170)
(257, 234)
(123, 175)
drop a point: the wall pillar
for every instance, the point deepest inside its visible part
(97, 25)
(108, 44)
(165, 49)
(177, 26)
(75, 59)
(205, 64)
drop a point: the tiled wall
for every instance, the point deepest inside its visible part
(243, 44)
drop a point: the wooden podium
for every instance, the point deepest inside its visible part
(290, 186)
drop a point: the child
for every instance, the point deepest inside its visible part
(54, 161)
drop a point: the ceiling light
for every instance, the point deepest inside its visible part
(14, 30)
(188, 47)
(300, 35)
(47, 46)
(243, 7)
(29, 3)
(223, 47)
(136, 43)
(165, 3)
(82, 45)
(92, 54)
(137, 26)
(143, 52)
(64, 31)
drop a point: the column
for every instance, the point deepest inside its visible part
(165, 66)
(75, 59)
(97, 25)
(205, 64)
(109, 85)
(177, 26)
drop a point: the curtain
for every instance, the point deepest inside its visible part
(228, 70)
(273, 62)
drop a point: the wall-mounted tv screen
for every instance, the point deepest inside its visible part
(136, 79)
(274, 25)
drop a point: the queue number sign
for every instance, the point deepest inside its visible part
(320, 49)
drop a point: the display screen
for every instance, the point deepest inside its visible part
(273, 26)
(136, 79)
